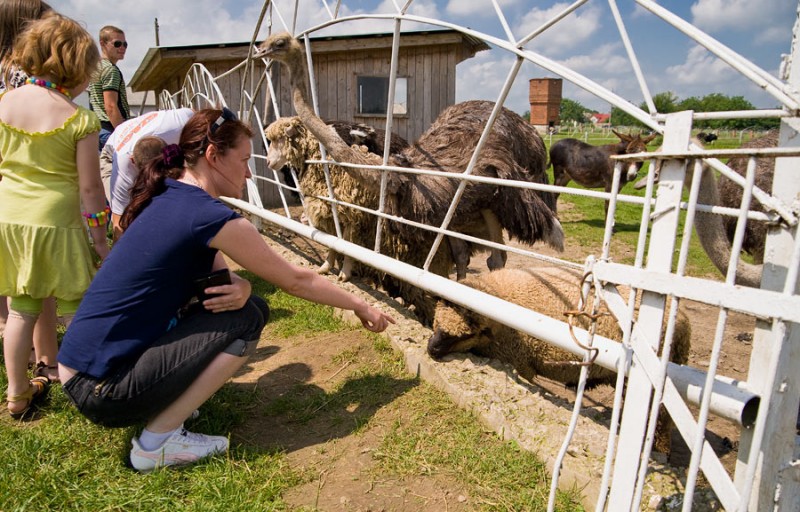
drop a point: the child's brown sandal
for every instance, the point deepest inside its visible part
(36, 390)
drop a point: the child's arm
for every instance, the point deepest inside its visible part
(91, 188)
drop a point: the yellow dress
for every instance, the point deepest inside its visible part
(44, 244)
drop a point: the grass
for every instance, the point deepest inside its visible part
(62, 461)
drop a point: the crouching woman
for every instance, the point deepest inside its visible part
(127, 357)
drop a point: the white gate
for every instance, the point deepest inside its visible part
(764, 405)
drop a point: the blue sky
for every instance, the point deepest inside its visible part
(587, 41)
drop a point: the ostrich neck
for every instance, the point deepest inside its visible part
(711, 233)
(335, 146)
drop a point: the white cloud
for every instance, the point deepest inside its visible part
(573, 30)
(472, 7)
(482, 76)
(309, 18)
(604, 60)
(700, 68)
(610, 68)
(764, 19)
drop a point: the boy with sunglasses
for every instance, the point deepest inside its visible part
(107, 95)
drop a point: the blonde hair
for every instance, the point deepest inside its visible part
(58, 47)
(108, 31)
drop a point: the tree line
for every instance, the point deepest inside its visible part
(572, 112)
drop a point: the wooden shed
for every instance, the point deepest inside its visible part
(351, 72)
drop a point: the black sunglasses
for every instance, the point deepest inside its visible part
(227, 115)
(117, 44)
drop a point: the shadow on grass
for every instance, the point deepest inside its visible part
(619, 227)
(290, 413)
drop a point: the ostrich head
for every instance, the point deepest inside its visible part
(283, 48)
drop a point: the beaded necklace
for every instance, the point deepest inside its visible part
(48, 85)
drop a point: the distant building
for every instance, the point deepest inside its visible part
(141, 102)
(545, 99)
(599, 120)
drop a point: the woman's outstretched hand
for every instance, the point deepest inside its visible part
(373, 319)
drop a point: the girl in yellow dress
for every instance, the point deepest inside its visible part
(48, 147)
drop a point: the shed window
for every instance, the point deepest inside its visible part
(373, 95)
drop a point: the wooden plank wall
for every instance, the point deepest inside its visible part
(430, 72)
(431, 83)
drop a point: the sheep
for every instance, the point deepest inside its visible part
(291, 144)
(550, 291)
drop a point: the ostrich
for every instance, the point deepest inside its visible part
(715, 232)
(513, 151)
(291, 145)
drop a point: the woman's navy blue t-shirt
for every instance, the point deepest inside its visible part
(145, 279)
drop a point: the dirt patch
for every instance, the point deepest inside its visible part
(328, 444)
(338, 448)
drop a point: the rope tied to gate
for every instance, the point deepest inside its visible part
(593, 316)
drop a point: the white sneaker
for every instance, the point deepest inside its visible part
(183, 447)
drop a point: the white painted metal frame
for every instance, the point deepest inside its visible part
(200, 89)
(767, 474)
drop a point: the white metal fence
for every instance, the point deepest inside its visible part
(765, 404)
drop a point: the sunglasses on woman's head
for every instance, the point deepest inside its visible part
(117, 44)
(227, 115)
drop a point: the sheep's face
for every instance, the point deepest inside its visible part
(276, 158)
(455, 329)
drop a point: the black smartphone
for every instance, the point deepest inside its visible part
(216, 278)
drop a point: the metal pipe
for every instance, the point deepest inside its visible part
(727, 400)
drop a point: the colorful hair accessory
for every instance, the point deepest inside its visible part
(48, 85)
(94, 220)
(173, 156)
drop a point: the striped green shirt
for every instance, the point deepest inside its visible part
(109, 79)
